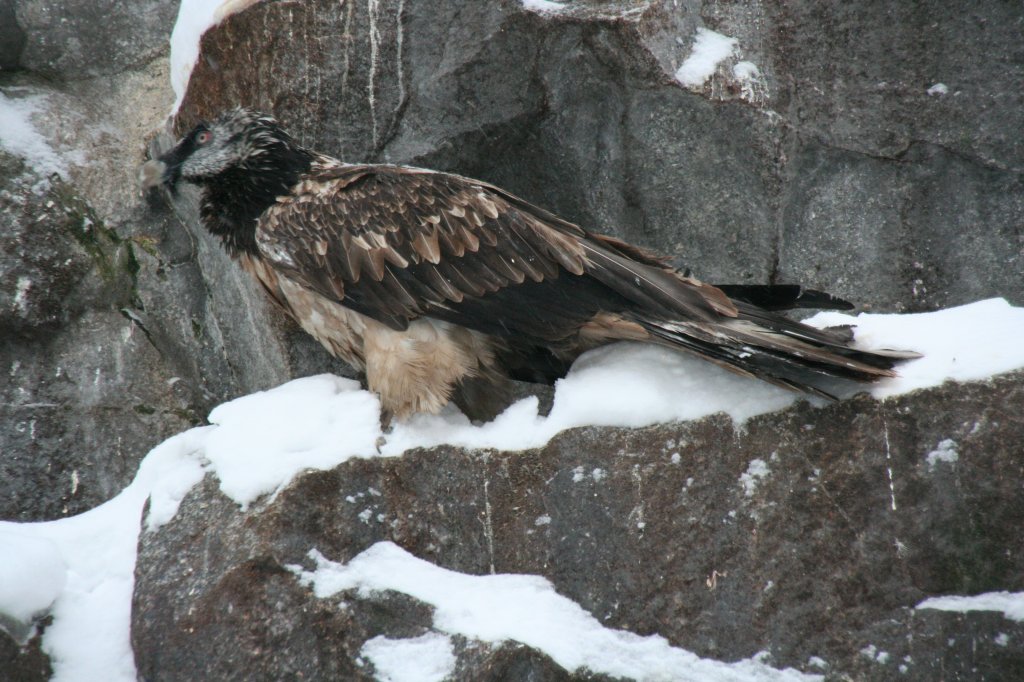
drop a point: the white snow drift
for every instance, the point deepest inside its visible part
(525, 609)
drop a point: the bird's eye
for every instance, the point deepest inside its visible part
(203, 137)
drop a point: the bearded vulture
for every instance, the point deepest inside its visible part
(440, 287)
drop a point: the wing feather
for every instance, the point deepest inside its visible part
(398, 243)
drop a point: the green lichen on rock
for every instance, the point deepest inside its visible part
(113, 257)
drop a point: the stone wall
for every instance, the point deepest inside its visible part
(839, 164)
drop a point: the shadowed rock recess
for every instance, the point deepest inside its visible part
(823, 151)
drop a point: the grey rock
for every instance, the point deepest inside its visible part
(12, 38)
(824, 555)
(113, 320)
(71, 39)
(80, 402)
(23, 663)
(841, 90)
(834, 167)
(111, 340)
(43, 256)
(929, 230)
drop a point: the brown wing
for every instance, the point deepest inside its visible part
(397, 243)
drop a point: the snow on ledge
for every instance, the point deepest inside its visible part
(528, 610)
(633, 384)
(709, 50)
(20, 137)
(966, 343)
(20, 600)
(89, 637)
(427, 658)
(1010, 603)
(258, 443)
(264, 440)
(545, 6)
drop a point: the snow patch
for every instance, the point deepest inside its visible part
(746, 71)
(965, 343)
(32, 575)
(524, 609)
(21, 294)
(427, 658)
(945, 451)
(756, 470)
(752, 87)
(1010, 603)
(709, 50)
(872, 652)
(544, 6)
(20, 137)
(265, 439)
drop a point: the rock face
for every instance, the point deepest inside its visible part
(110, 337)
(114, 316)
(829, 166)
(863, 151)
(72, 39)
(807, 533)
(824, 164)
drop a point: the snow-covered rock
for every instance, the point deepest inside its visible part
(587, 497)
(821, 151)
(843, 530)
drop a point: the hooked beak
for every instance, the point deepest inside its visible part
(163, 170)
(153, 173)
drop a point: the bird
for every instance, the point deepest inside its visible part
(440, 288)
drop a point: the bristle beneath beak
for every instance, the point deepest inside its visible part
(152, 174)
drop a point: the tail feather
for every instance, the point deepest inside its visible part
(778, 350)
(780, 297)
(747, 361)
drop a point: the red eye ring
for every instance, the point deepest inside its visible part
(203, 137)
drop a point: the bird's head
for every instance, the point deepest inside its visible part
(239, 140)
(244, 161)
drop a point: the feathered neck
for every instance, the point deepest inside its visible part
(234, 200)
